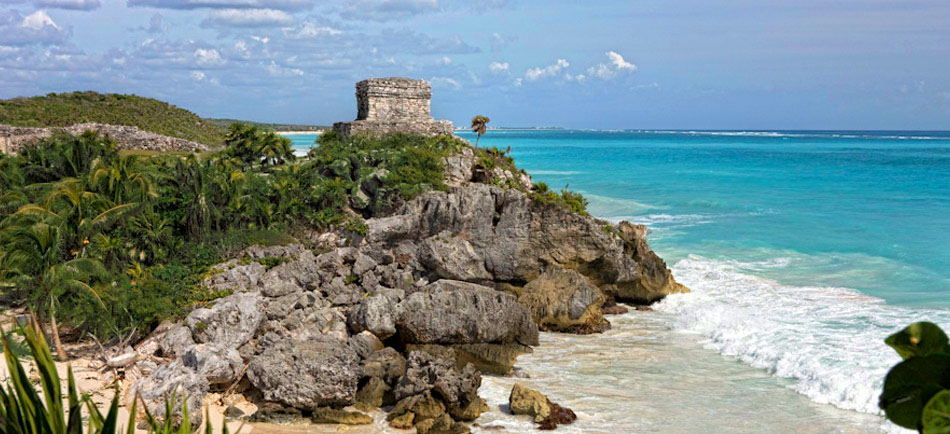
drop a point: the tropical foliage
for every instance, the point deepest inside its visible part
(479, 126)
(64, 109)
(96, 242)
(916, 391)
(23, 411)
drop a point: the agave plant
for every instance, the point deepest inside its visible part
(23, 411)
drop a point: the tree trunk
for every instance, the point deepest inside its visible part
(477, 138)
(60, 352)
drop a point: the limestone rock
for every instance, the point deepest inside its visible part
(496, 359)
(528, 401)
(173, 378)
(176, 340)
(375, 393)
(306, 374)
(217, 365)
(469, 314)
(375, 314)
(386, 364)
(229, 323)
(330, 415)
(452, 257)
(428, 373)
(365, 344)
(403, 421)
(564, 300)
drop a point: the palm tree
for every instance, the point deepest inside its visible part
(33, 262)
(122, 179)
(479, 127)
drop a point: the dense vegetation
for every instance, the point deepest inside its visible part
(64, 109)
(107, 243)
(225, 123)
(916, 391)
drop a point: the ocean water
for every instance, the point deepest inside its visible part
(803, 250)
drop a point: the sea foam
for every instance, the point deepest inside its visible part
(828, 340)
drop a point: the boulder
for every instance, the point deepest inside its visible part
(374, 394)
(467, 314)
(386, 364)
(229, 323)
(176, 340)
(217, 365)
(306, 374)
(375, 314)
(453, 257)
(496, 359)
(441, 425)
(173, 379)
(236, 277)
(428, 373)
(564, 300)
(344, 417)
(523, 400)
(365, 344)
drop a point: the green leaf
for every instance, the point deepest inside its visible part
(936, 415)
(919, 339)
(910, 385)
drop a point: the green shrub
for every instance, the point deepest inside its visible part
(916, 391)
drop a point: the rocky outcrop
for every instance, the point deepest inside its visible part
(454, 284)
(13, 138)
(548, 415)
(515, 239)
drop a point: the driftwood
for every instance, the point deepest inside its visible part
(124, 360)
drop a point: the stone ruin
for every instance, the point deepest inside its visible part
(12, 138)
(393, 105)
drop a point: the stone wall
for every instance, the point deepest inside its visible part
(13, 138)
(393, 105)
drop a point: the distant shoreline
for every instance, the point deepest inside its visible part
(297, 133)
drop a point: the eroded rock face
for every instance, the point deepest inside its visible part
(564, 300)
(515, 239)
(305, 375)
(467, 314)
(173, 379)
(229, 323)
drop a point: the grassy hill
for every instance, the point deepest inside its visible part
(64, 109)
(225, 123)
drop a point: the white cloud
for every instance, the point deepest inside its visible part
(197, 75)
(445, 82)
(498, 67)
(208, 57)
(284, 5)
(248, 18)
(276, 70)
(35, 28)
(82, 5)
(310, 31)
(618, 62)
(444, 60)
(386, 10)
(534, 74)
(38, 20)
(610, 70)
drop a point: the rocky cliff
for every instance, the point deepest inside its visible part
(14, 138)
(412, 312)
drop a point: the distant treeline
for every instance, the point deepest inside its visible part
(64, 109)
(225, 123)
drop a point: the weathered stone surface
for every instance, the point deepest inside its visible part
(428, 373)
(386, 364)
(453, 257)
(528, 401)
(487, 358)
(176, 340)
(236, 277)
(458, 167)
(375, 393)
(518, 238)
(365, 344)
(330, 415)
(441, 425)
(173, 378)
(217, 365)
(564, 300)
(229, 323)
(403, 421)
(393, 105)
(470, 314)
(375, 314)
(306, 374)
(423, 406)
(13, 138)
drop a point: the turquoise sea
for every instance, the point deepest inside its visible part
(803, 250)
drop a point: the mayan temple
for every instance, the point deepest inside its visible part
(393, 105)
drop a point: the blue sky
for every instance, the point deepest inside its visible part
(703, 64)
